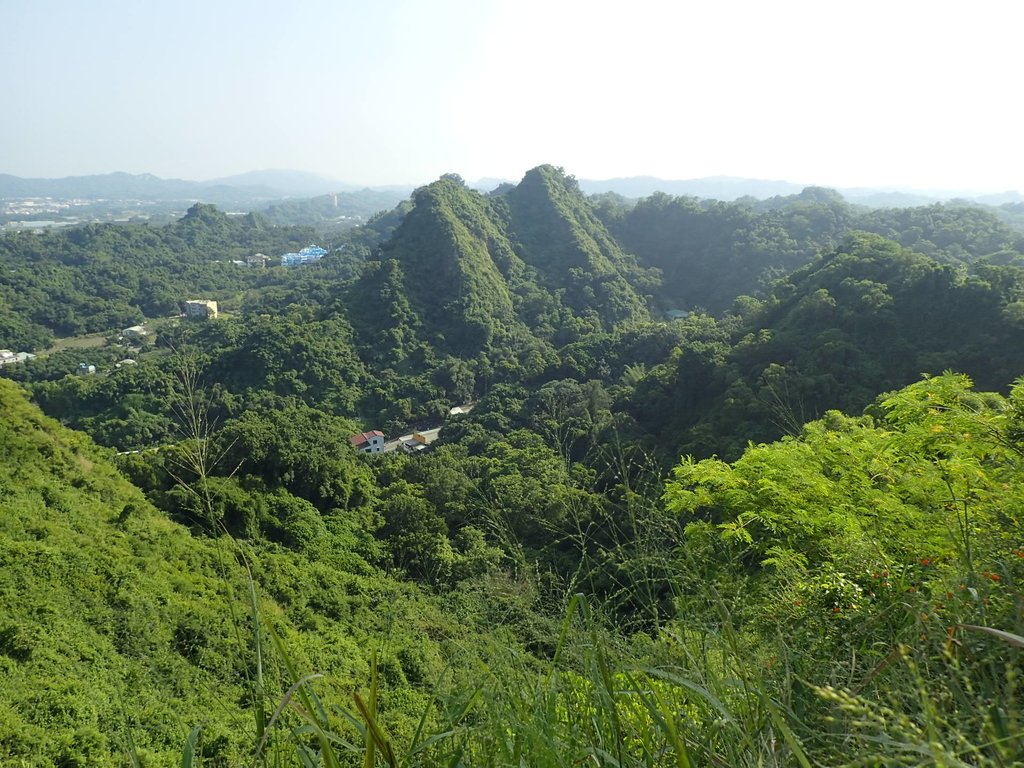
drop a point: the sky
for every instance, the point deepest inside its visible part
(899, 93)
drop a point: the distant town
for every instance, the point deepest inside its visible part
(43, 212)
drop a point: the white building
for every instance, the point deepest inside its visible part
(200, 308)
(370, 442)
(7, 357)
(307, 255)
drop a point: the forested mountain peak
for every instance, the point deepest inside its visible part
(556, 225)
(450, 246)
(486, 271)
(557, 231)
(204, 212)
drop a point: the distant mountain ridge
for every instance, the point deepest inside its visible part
(247, 187)
(144, 186)
(728, 188)
(292, 183)
(275, 184)
(711, 187)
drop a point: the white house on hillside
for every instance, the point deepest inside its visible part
(307, 255)
(7, 357)
(200, 308)
(370, 442)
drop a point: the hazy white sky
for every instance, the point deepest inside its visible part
(836, 92)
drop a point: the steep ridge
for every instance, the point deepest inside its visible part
(483, 273)
(449, 248)
(557, 233)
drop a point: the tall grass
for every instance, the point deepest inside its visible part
(700, 693)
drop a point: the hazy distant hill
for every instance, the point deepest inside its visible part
(241, 189)
(729, 188)
(267, 185)
(906, 198)
(333, 211)
(712, 187)
(123, 186)
(285, 183)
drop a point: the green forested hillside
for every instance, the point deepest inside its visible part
(538, 586)
(560, 236)
(845, 590)
(484, 273)
(469, 291)
(101, 278)
(104, 277)
(950, 233)
(115, 621)
(711, 252)
(121, 631)
(867, 317)
(455, 260)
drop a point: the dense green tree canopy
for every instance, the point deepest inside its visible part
(534, 585)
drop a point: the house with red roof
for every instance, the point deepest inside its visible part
(371, 442)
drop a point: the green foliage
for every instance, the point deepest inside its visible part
(415, 534)
(711, 252)
(890, 491)
(798, 602)
(105, 277)
(121, 631)
(301, 449)
(867, 317)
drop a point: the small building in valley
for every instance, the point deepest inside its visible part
(7, 357)
(370, 442)
(307, 255)
(200, 308)
(418, 441)
(135, 332)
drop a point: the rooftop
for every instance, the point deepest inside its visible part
(365, 437)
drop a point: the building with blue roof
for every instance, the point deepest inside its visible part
(305, 256)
